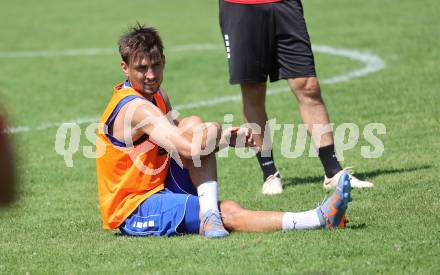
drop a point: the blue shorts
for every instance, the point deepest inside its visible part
(172, 211)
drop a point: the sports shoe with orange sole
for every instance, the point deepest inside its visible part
(332, 212)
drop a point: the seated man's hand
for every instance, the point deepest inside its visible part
(238, 137)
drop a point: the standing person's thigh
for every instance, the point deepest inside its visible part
(294, 52)
(248, 40)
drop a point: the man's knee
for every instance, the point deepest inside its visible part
(195, 126)
(190, 122)
(191, 125)
(231, 214)
(306, 89)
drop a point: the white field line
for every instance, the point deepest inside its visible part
(99, 51)
(372, 63)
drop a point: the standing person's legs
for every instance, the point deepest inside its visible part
(248, 37)
(295, 62)
(254, 111)
(314, 115)
(311, 107)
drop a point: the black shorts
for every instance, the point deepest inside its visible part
(266, 40)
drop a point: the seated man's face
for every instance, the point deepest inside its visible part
(145, 75)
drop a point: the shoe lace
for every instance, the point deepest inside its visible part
(273, 176)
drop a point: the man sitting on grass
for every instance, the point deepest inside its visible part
(143, 191)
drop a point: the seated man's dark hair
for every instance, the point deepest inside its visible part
(139, 42)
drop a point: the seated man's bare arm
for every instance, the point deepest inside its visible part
(229, 137)
(142, 117)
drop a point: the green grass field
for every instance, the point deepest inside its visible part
(55, 225)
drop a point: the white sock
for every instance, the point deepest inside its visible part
(302, 220)
(208, 197)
